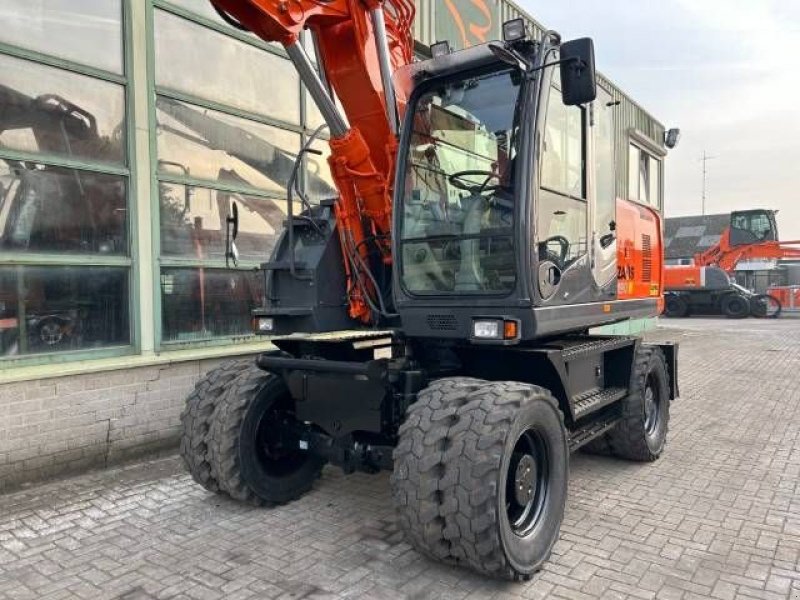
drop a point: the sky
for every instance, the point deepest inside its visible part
(726, 72)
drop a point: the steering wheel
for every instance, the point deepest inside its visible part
(562, 242)
(476, 189)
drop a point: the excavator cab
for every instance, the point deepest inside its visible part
(753, 226)
(497, 213)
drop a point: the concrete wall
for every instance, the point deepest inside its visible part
(54, 426)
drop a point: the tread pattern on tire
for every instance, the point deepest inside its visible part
(224, 435)
(455, 518)
(627, 439)
(417, 459)
(196, 419)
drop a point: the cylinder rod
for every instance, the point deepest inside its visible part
(382, 46)
(309, 76)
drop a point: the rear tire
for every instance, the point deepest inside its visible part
(196, 419)
(490, 490)
(676, 307)
(642, 433)
(735, 306)
(252, 454)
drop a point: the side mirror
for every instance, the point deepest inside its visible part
(578, 77)
(231, 233)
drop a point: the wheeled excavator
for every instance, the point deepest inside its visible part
(433, 319)
(707, 286)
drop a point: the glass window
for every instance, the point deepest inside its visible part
(205, 9)
(53, 209)
(644, 177)
(207, 144)
(633, 172)
(196, 60)
(562, 160)
(193, 222)
(654, 193)
(48, 309)
(561, 228)
(51, 111)
(199, 304)
(84, 31)
(605, 175)
(459, 201)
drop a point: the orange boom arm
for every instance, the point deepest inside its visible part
(361, 43)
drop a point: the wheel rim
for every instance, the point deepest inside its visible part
(652, 401)
(51, 333)
(527, 482)
(277, 448)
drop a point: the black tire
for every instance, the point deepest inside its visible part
(252, 455)
(642, 433)
(419, 451)
(735, 306)
(676, 307)
(765, 306)
(196, 419)
(485, 438)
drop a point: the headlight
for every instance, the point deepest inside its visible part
(487, 330)
(496, 329)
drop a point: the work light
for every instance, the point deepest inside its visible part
(514, 30)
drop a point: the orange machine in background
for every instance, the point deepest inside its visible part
(706, 287)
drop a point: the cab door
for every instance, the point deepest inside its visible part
(561, 235)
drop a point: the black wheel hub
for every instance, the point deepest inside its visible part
(652, 407)
(277, 446)
(527, 482)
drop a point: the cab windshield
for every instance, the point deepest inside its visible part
(458, 202)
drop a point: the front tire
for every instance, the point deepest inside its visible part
(252, 452)
(496, 486)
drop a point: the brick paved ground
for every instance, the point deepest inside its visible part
(718, 516)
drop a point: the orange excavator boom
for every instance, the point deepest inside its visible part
(361, 44)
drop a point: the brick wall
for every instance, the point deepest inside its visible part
(50, 427)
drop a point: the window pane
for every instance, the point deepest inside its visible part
(561, 229)
(655, 182)
(199, 61)
(50, 111)
(562, 162)
(52, 209)
(85, 31)
(193, 223)
(319, 182)
(207, 144)
(633, 172)
(199, 304)
(51, 309)
(644, 177)
(205, 9)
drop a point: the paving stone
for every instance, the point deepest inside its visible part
(718, 516)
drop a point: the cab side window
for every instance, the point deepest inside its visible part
(562, 212)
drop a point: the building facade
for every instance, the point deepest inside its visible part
(127, 128)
